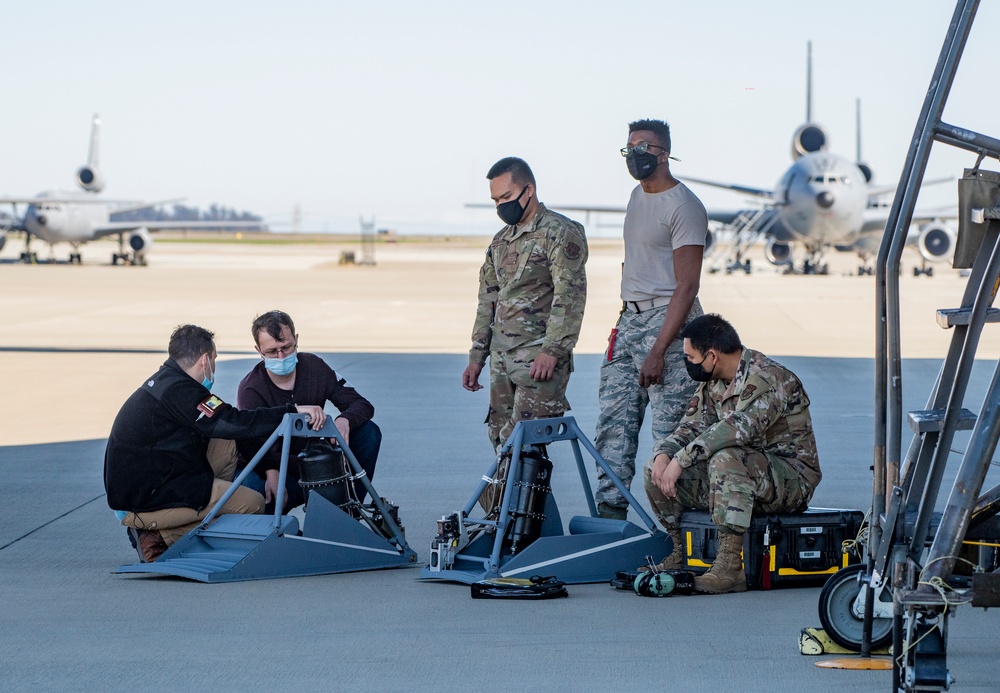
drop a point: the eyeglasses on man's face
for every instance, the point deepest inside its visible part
(280, 351)
(640, 149)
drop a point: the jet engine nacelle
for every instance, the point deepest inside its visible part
(709, 241)
(777, 253)
(809, 138)
(89, 179)
(140, 242)
(936, 242)
(867, 171)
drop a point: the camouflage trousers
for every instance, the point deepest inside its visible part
(514, 396)
(731, 486)
(623, 402)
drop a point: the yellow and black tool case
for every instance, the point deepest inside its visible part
(781, 550)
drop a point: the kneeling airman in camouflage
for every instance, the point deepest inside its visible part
(745, 443)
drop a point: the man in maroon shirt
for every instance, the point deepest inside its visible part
(286, 376)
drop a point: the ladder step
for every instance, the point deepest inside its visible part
(932, 420)
(950, 317)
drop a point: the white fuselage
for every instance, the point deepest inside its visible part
(821, 200)
(65, 222)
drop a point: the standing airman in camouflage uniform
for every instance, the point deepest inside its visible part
(745, 443)
(665, 231)
(532, 292)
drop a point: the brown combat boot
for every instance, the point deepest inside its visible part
(148, 544)
(675, 560)
(726, 574)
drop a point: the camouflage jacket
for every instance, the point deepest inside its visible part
(765, 407)
(532, 288)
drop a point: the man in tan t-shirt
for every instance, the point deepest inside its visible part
(665, 232)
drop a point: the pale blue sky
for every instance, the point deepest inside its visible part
(397, 109)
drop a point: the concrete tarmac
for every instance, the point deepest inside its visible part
(79, 340)
(69, 624)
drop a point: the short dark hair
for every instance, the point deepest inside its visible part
(271, 322)
(188, 343)
(518, 169)
(660, 128)
(712, 332)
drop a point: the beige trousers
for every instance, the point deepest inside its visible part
(174, 523)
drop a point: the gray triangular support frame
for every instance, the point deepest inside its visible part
(228, 548)
(589, 549)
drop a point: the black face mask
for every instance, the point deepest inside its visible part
(511, 212)
(641, 166)
(697, 371)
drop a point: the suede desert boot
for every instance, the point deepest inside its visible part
(726, 574)
(675, 560)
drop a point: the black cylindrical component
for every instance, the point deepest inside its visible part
(533, 485)
(323, 468)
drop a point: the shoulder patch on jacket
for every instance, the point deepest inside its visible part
(208, 406)
(692, 407)
(572, 250)
(748, 392)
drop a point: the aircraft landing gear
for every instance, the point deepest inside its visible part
(27, 256)
(75, 259)
(737, 266)
(809, 267)
(925, 270)
(125, 256)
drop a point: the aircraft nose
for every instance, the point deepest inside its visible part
(825, 199)
(41, 219)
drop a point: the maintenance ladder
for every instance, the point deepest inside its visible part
(923, 580)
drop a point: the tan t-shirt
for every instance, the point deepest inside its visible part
(655, 225)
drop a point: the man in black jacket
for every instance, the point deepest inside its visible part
(157, 472)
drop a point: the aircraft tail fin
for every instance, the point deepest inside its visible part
(809, 81)
(95, 136)
(89, 176)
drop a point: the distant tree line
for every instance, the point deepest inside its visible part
(183, 213)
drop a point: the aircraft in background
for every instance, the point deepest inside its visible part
(79, 217)
(823, 201)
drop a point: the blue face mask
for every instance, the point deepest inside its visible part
(283, 366)
(208, 382)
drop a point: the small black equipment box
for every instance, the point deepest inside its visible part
(781, 550)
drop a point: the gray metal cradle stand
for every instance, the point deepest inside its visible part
(590, 549)
(229, 548)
